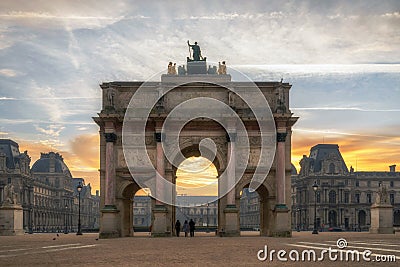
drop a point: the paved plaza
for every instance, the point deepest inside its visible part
(202, 250)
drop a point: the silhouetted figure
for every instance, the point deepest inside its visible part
(185, 228)
(177, 227)
(196, 51)
(191, 227)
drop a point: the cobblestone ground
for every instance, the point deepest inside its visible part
(202, 250)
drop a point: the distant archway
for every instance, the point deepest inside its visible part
(396, 218)
(332, 218)
(261, 210)
(362, 218)
(197, 172)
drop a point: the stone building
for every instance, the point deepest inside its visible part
(249, 210)
(14, 169)
(343, 197)
(47, 191)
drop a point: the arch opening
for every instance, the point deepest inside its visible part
(194, 174)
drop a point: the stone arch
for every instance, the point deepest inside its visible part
(362, 218)
(125, 192)
(189, 148)
(265, 210)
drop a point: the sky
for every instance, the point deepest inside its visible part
(342, 58)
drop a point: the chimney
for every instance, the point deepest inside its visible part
(392, 168)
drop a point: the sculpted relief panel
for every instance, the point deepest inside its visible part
(137, 158)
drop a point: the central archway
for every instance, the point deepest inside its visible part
(197, 172)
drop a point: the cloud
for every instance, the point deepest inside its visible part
(52, 130)
(6, 98)
(8, 72)
(368, 152)
(85, 147)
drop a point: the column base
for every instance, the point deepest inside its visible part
(160, 227)
(109, 228)
(232, 228)
(282, 221)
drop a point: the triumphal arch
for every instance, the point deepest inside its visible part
(148, 128)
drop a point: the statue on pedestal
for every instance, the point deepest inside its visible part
(382, 196)
(10, 196)
(196, 51)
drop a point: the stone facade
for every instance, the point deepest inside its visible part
(344, 196)
(47, 192)
(116, 183)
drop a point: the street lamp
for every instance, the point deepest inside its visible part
(208, 230)
(66, 219)
(298, 221)
(79, 188)
(30, 220)
(315, 188)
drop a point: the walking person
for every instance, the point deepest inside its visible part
(191, 227)
(177, 227)
(185, 228)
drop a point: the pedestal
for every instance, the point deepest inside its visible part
(282, 222)
(11, 220)
(381, 219)
(231, 221)
(160, 227)
(109, 219)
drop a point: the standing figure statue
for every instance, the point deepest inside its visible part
(196, 51)
(221, 68)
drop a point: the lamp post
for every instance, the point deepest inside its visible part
(79, 188)
(298, 220)
(30, 220)
(315, 188)
(208, 230)
(66, 219)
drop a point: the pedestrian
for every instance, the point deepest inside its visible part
(185, 228)
(177, 227)
(191, 227)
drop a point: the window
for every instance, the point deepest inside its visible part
(392, 199)
(369, 198)
(391, 183)
(357, 183)
(346, 182)
(332, 197)
(357, 198)
(318, 197)
(369, 183)
(346, 197)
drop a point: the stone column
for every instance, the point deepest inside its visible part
(280, 169)
(109, 221)
(160, 224)
(231, 212)
(110, 170)
(160, 164)
(231, 168)
(281, 211)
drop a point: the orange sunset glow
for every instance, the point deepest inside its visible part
(363, 152)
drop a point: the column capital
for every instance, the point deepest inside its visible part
(230, 137)
(110, 137)
(281, 137)
(160, 137)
